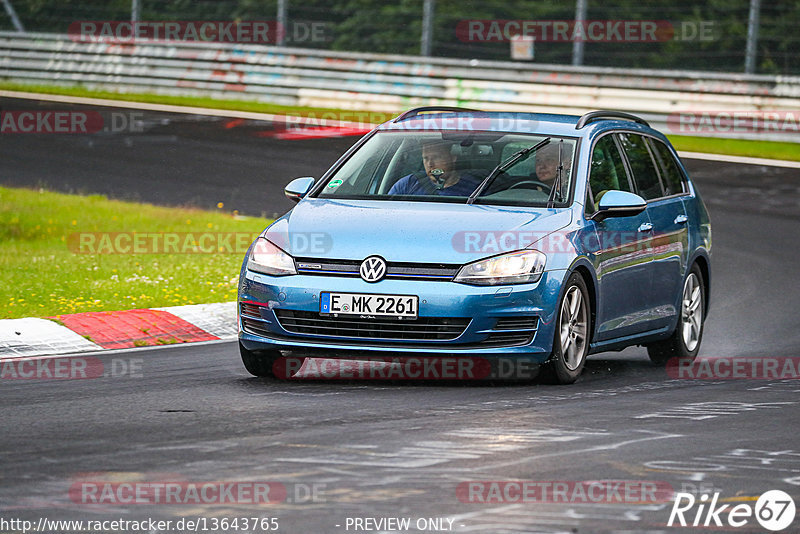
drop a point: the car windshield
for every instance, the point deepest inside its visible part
(453, 166)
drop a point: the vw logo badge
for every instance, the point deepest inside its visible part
(373, 269)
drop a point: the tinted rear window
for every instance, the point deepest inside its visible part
(644, 170)
(670, 172)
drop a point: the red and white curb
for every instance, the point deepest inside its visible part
(93, 331)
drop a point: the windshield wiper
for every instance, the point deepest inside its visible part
(515, 158)
(557, 182)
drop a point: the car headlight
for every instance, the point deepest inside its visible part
(268, 258)
(523, 266)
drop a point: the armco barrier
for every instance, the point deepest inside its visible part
(373, 82)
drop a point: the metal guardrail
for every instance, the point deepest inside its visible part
(372, 82)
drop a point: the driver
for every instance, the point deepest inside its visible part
(441, 176)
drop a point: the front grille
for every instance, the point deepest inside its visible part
(252, 310)
(420, 329)
(517, 323)
(506, 339)
(396, 271)
(511, 331)
(252, 321)
(252, 326)
(507, 332)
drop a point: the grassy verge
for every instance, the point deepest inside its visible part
(43, 274)
(737, 147)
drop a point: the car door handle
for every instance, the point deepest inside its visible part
(646, 227)
(681, 219)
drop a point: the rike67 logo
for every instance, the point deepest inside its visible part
(774, 510)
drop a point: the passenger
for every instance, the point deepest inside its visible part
(547, 163)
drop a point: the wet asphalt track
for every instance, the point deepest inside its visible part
(401, 449)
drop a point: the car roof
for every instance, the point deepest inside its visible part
(592, 124)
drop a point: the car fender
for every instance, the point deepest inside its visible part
(586, 268)
(698, 253)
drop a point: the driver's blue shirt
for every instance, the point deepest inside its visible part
(410, 185)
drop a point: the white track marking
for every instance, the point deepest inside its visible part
(742, 159)
(31, 337)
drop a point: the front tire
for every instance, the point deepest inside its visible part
(572, 336)
(685, 341)
(259, 363)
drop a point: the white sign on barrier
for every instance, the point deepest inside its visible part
(522, 48)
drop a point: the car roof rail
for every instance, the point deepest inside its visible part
(416, 111)
(586, 118)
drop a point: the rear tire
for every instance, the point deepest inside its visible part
(572, 335)
(685, 340)
(259, 363)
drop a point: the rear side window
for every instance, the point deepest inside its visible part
(607, 171)
(670, 172)
(644, 170)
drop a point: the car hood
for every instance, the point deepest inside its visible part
(417, 232)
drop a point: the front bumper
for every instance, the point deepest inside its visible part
(490, 314)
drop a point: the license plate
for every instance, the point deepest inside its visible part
(366, 304)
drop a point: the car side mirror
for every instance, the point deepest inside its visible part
(619, 204)
(298, 188)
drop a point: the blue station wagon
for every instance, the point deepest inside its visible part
(454, 232)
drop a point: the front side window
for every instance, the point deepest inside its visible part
(644, 170)
(606, 171)
(451, 166)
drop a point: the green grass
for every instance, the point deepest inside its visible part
(42, 275)
(737, 147)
